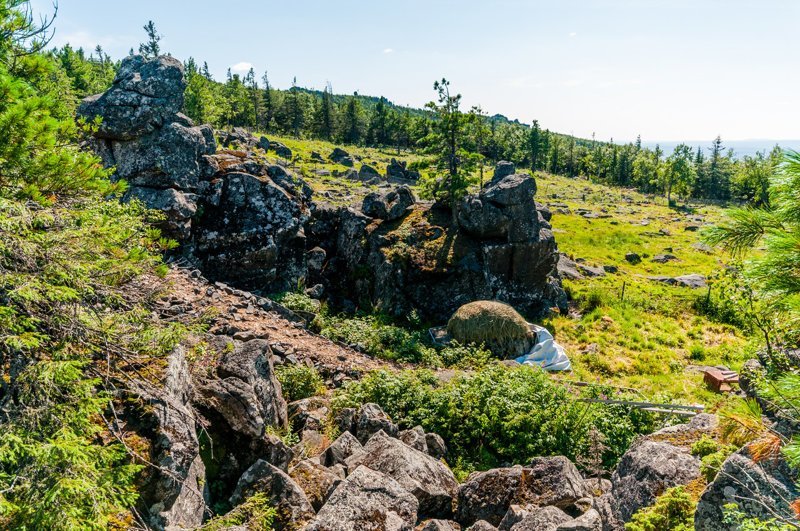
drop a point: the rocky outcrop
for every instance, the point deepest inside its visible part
(429, 480)
(389, 206)
(238, 219)
(501, 248)
(367, 500)
(174, 494)
(761, 490)
(397, 171)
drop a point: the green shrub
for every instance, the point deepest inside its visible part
(299, 381)
(497, 414)
(704, 446)
(673, 511)
(697, 353)
(297, 302)
(741, 522)
(254, 514)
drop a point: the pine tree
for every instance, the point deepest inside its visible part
(325, 116)
(269, 104)
(151, 49)
(535, 145)
(352, 128)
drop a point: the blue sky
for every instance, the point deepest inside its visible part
(665, 69)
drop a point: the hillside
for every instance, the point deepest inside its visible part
(205, 325)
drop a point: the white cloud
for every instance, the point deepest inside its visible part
(388, 50)
(573, 34)
(241, 68)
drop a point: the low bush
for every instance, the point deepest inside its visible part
(498, 415)
(673, 511)
(299, 381)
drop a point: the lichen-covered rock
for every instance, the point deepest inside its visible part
(415, 438)
(316, 481)
(367, 501)
(371, 419)
(482, 525)
(761, 490)
(145, 94)
(390, 205)
(488, 495)
(429, 480)
(178, 207)
(345, 446)
(438, 525)
(176, 494)
(588, 521)
(645, 471)
(542, 519)
(244, 390)
(290, 502)
(553, 481)
(436, 446)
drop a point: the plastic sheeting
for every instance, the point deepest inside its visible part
(546, 353)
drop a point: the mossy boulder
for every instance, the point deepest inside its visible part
(494, 324)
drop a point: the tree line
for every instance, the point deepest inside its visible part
(251, 101)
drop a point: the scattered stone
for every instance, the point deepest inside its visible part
(367, 499)
(429, 480)
(693, 281)
(633, 258)
(664, 258)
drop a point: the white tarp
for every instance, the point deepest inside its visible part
(546, 353)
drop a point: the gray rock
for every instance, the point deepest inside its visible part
(633, 258)
(178, 207)
(761, 490)
(176, 494)
(591, 271)
(567, 268)
(367, 172)
(503, 169)
(542, 519)
(553, 481)
(488, 495)
(317, 481)
(367, 500)
(430, 481)
(397, 170)
(281, 150)
(345, 446)
(645, 471)
(664, 258)
(514, 515)
(244, 390)
(482, 525)
(588, 521)
(390, 205)
(438, 525)
(693, 281)
(436, 446)
(289, 500)
(415, 438)
(340, 156)
(371, 419)
(144, 96)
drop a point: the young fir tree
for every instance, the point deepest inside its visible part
(152, 47)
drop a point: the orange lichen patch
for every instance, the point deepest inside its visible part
(684, 439)
(696, 487)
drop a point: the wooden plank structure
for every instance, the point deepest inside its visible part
(720, 380)
(669, 409)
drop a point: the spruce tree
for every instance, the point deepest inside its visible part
(151, 49)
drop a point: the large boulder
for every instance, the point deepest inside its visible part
(553, 481)
(762, 490)
(367, 500)
(371, 419)
(290, 502)
(317, 481)
(645, 471)
(144, 96)
(251, 233)
(542, 519)
(345, 446)
(390, 205)
(429, 480)
(244, 390)
(488, 495)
